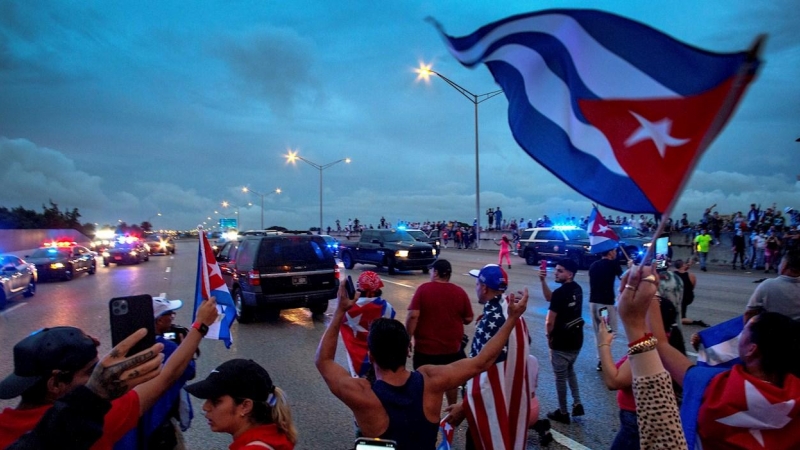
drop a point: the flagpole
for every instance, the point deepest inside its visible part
(737, 89)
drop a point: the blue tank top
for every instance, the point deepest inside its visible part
(407, 423)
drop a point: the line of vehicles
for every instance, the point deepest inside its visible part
(63, 260)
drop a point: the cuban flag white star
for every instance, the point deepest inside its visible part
(760, 414)
(354, 323)
(658, 132)
(213, 269)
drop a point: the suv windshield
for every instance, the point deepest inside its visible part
(51, 252)
(397, 236)
(526, 235)
(417, 234)
(626, 232)
(576, 234)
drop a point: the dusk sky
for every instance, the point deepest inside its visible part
(127, 109)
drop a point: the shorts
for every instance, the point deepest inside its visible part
(421, 359)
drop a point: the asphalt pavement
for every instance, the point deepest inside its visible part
(286, 346)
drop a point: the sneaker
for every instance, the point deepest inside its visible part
(545, 439)
(577, 410)
(558, 416)
(700, 323)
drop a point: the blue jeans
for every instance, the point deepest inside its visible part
(627, 437)
(564, 370)
(703, 256)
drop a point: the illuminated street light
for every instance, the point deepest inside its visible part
(276, 191)
(292, 157)
(226, 204)
(424, 73)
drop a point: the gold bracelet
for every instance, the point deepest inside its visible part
(644, 346)
(604, 345)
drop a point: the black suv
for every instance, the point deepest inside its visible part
(276, 272)
(554, 243)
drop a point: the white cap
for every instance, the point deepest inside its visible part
(161, 306)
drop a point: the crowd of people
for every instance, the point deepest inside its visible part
(69, 398)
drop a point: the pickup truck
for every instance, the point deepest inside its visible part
(395, 249)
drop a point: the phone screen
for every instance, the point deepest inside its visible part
(374, 445)
(351, 289)
(604, 318)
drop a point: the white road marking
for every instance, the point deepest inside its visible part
(567, 442)
(12, 308)
(396, 283)
(169, 269)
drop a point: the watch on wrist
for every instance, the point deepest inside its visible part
(201, 327)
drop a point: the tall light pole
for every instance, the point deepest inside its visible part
(225, 204)
(276, 191)
(424, 72)
(292, 157)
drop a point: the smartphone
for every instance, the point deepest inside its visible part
(543, 265)
(604, 318)
(350, 287)
(374, 444)
(128, 314)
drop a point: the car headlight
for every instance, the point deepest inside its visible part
(434, 252)
(133, 253)
(401, 253)
(647, 244)
(57, 265)
(106, 254)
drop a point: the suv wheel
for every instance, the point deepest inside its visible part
(68, 273)
(244, 313)
(31, 290)
(93, 268)
(347, 260)
(530, 258)
(105, 262)
(390, 267)
(319, 308)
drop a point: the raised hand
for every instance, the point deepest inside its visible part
(517, 306)
(207, 312)
(114, 375)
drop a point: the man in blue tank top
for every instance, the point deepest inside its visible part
(402, 405)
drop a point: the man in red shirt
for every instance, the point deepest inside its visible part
(436, 318)
(54, 361)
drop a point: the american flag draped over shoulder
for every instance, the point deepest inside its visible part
(355, 328)
(619, 111)
(497, 400)
(210, 283)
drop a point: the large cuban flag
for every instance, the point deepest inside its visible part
(210, 283)
(601, 237)
(618, 110)
(355, 328)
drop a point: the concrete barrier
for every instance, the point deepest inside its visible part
(21, 242)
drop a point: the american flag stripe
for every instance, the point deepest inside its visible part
(497, 400)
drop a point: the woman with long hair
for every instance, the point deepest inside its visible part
(241, 400)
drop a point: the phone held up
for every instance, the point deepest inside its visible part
(604, 318)
(374, 444)
(128, 314)
(351, 289)
(543, 265)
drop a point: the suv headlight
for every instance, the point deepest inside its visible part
(434, 251)
(401, 253)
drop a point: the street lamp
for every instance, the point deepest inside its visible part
(292, 157)
(226, 204)
(424, 72)
(276, 191)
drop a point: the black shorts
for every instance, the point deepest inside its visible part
(421, 359)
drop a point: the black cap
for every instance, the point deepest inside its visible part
(442, 266)
(46, 350)
(569, 265)
(239, 378)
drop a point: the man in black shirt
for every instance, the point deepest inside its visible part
(603, 273)
(564, 327)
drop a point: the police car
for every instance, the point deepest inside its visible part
(62, 260)
(554, 243)
(126, 250)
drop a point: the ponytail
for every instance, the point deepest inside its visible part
(282, 415)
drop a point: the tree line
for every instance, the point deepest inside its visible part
(51, 217)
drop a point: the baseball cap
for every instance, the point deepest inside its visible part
(239, 378)
(36, 356)
(162, 306)
(442, 266)
(569, 265)
(493, 276)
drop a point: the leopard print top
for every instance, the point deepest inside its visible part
(657, 413)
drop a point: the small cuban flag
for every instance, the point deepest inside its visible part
(601, 237)
(720, 344)
(210, 284)
(447, 435)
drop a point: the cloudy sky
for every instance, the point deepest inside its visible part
(128, 109)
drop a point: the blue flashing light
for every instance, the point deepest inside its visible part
(627, 228)
(565, 227)
(401, 227)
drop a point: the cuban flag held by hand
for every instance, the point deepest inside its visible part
(601, 237)
(355, 328)
(616, 109)
(210, 284)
